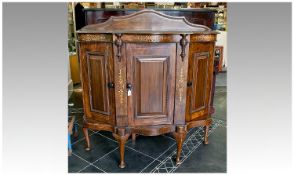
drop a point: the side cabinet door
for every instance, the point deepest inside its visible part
(199, 80)
(97, 80)
(151, 76)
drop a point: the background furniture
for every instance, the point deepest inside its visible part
(196, 15)
(219, 57)
(136, 78)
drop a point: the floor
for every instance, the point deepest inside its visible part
(153, 154)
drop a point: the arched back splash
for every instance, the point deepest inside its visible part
(146, 21)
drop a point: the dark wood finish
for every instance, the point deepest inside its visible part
(206, 134)
(200, 122)
(154, 130)
(183, 43)
(96, 125)
(120, 72)
(200, 74)
(180, 136)
(135, 74)
(200, 16)
(96, 62)
(181, 84)
(121, 140)
(150, 72)
(197, 16)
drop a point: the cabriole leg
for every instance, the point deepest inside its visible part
(121, 138)
(207, 125)
(86, 134)
(133, 137)
(180, 135)
(206, 134)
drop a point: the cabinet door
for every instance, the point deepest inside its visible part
(151, 74)
(199, 80)
(97, 81)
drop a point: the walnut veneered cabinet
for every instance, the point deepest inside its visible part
(146, 73)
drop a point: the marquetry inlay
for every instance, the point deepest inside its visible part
(95, 37)
(181, 84)
(120, 86)
(203, 38)
(149, 38)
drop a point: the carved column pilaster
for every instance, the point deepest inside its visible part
(118, 43)
(183, 43)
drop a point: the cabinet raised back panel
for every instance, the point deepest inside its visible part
(151, 72)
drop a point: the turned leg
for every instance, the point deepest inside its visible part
(133, 137)
(206, 134)
(121, 141)
(86, 134)
(180, 136)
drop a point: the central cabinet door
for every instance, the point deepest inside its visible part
(151, 81)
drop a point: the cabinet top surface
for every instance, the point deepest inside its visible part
(147, 22)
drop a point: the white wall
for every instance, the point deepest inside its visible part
(222, 41)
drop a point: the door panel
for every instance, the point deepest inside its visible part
(199, 78)
(98, 78)
(151, 72)
(151, 77)
(96, 61)
(200, 74)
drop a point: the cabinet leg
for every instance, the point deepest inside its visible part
(206, 134)
(86, 134)
(180, 136)
(121, 141)
(133, 137)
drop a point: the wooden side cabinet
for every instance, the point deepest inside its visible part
(194, 15)
(146, 73)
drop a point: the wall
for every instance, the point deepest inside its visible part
(222, 41)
